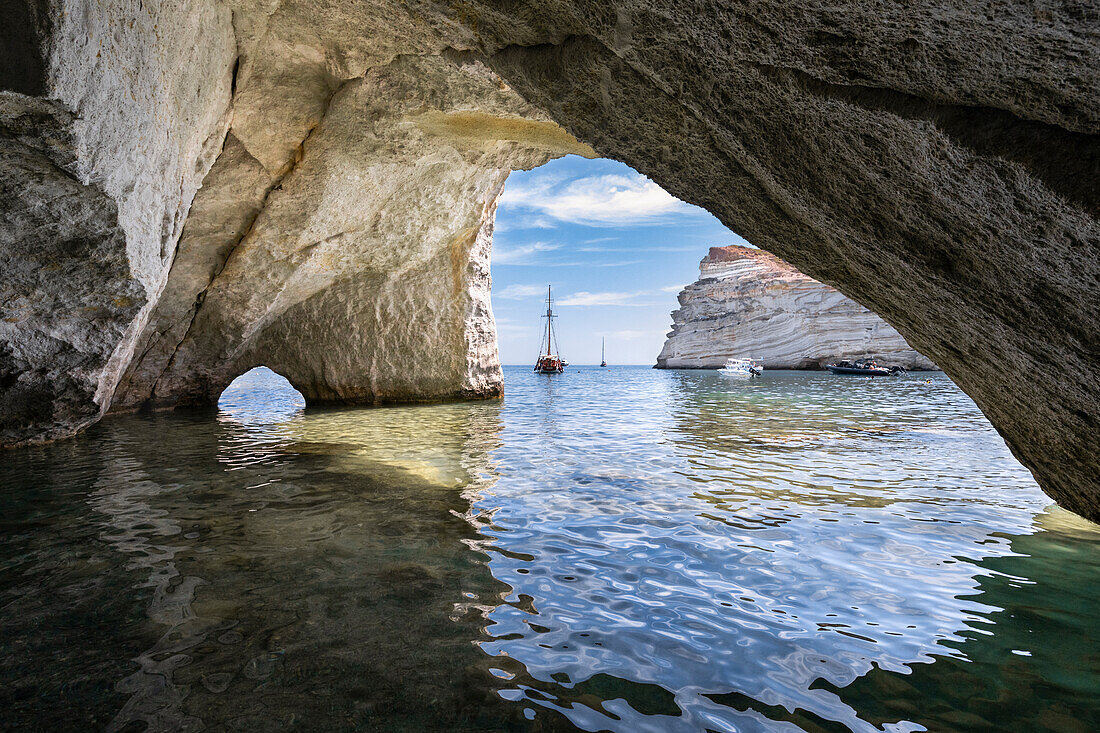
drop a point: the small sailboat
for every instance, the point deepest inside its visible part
(549, 362)
(603, 352)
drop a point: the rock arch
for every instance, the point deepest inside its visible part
(360, 270)
(210, 180)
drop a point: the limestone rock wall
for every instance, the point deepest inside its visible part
(99, 173)
(66, 292)
(354, 275)
(750, 303)
(209, 186)
(936, 161)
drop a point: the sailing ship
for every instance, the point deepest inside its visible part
(549, 362)
(603, 351)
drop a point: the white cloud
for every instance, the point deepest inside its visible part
(607, 298)
(673, 288)
(521, 255)
(519, 292)
(529, 261)
(608, 200)
(636, 249)
(532, 222)
(619, 263)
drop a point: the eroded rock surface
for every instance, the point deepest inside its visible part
(360, 272)
(66, 287)
(749, 303)
(349, 169)
(937, 162)
(98, 177)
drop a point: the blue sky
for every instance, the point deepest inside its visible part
(615, 247)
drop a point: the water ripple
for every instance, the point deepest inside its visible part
(616, 549)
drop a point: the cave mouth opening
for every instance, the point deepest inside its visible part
(619, 252)
(260, 395)
(615, 247)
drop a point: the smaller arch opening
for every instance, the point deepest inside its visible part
(260, 395)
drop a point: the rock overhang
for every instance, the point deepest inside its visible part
(937, 162)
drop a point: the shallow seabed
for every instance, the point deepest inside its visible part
(610, 549)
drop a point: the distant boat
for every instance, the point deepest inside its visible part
(603, 352)
(741, 368)
(549, 362)
(864, 367)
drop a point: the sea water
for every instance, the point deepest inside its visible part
(617, 549)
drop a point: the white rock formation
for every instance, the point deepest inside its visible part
(357, 266)
(747, 302)
(204, 187)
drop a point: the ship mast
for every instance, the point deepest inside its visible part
(549, 321)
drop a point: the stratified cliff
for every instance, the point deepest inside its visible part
(748, 303)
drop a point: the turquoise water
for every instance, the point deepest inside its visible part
(617, 549)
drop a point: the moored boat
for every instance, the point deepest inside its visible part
(549, 362)
(864, 367)
(741, 368)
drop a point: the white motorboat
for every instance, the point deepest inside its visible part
(741, 368)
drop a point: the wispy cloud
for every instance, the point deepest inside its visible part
(522, 254)
(588, 248)
(672, 288)
(519, 292)
(617, 263)
(507, 326)
(602, 201)
(531, 222)
(533, 262)
(585, 298)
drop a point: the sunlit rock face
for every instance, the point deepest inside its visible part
(748, 303)
(358, 265)
(937, 162)
(337, 173)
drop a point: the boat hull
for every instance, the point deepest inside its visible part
(549, 365)
(741, 368)
(740, 373)
(860, 372)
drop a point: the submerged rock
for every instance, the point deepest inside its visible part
(748, 303)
